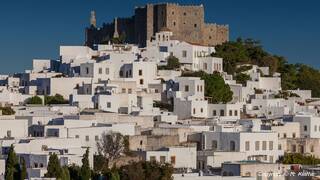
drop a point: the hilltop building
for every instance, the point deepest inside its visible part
(185, 21)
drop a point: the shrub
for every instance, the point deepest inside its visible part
(56, 99)
(34, 100)
(7, 111)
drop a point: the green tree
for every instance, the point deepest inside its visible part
(99, 163)
(7, 111)
(13, 170)
(65, 173)
(75, 172)
(242, 78)
(173, 62)
(54, 169)
(56, 99)
(146, 170)
(297, 158)
(24, 173)
(214, 86)
(111, 146)
(34, 100)
(85, 168)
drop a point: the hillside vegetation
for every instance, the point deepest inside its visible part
(249, 51)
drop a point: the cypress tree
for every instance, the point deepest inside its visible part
(85, 168)
(12, 165)
(54, 169)
(24, 173)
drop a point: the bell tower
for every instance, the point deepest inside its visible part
(93, 21)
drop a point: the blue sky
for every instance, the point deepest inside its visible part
(35, 28)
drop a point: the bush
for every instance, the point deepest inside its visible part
(214, 86)
(172, 64)
(242, 78)
(146, 170)
(34, 100)
(297, 158)
(56, 99)
(7, 111)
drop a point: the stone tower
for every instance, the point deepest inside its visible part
(186, 22)
(116, 33)
(93, 21)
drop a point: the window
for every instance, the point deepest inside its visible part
(123, 90)
(305, 128)
(271, 159)
(172, 13)
(232, 146)
(214, 145)
(257, 145)
(9, 134)
(264, 145)
(152, 158)
(284, 135)
(195, 25)
(174, 23)
(279, 147)
(198, 88)
(203, 142)
(162, 159)
(230, 112)
(129, 90)
(163, 48)
(96, 138)
(184, 54)
(121, 73)
(294, 135)
(293, 148)
(221, 112)
(87, 138)
(108, 104)
(186, 88)
(270, 145)
(173, 160)
(205, 66)
(100, 70)
(235, 113)
(107, 70)
(87, 70)
(184, 13)
(140, 72)
(312, 149)
(315, 128)
(201, 88)
(247, 145)
(194, 110)
(77, 136)
(214, 113)
(201, 110)
(141, 81)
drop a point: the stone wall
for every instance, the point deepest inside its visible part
(186, 22)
